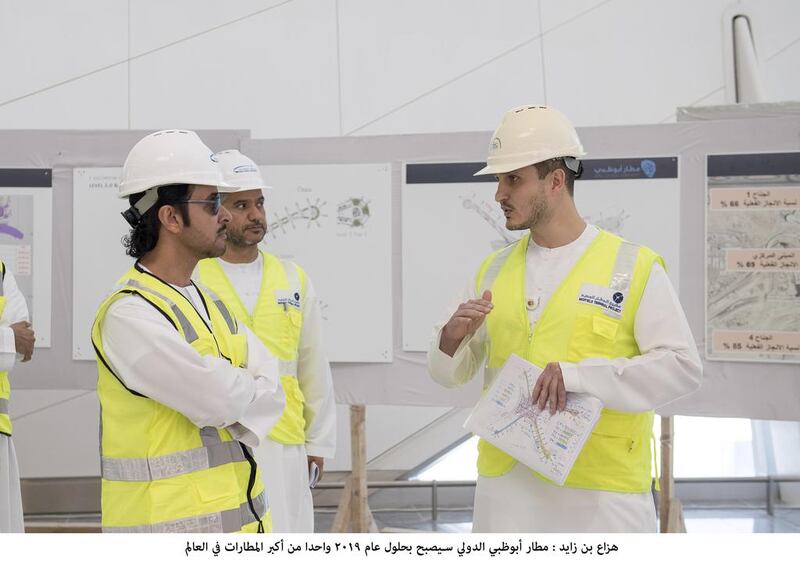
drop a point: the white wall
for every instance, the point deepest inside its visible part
(303, 68)
(311, 68)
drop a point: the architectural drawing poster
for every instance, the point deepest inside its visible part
(451, 222)
(26, 241)
(753, 257)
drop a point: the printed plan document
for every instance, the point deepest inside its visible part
(508, 418)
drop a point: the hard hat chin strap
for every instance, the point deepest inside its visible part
(133, 215)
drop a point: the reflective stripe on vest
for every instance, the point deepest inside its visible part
(226, 314)
(189, 333)
(493, 270)
(4, 406)
(291, 274)
(228, 521)
(623, 273)
(287, 367)
(214, 452)
(616, 456)
(489, 276)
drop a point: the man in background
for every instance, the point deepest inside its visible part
(276, 299)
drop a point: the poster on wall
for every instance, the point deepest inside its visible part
(335, 221)
(26, 237)
(451, 222)
(637, 199)
(753, 257)
(97, 263)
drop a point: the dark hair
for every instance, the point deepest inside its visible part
(544, 168)
(144, 236)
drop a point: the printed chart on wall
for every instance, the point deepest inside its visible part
(451, 221)
(97, 263)
(635, 198)
(753, 257)
(26, 237)
(335, 220)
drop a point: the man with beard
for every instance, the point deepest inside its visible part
(276, 300)
(185, 390)
(531, 299)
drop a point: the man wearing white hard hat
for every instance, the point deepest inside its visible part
(185, 390)
(277, 301)
(527, 299)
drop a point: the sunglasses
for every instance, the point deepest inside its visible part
(215, 203)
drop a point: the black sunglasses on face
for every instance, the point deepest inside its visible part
(214, 202)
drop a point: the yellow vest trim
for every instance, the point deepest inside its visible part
(617, 455)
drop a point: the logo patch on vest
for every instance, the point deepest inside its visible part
(610, 300)
(287, 298)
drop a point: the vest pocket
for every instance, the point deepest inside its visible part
(218, 484)
(614, 436)
(592, 337)
(608, 457)
(280, 330)
(605, 327)
(177, 498)
(616, 456)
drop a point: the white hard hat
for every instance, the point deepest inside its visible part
(169, 157)
(529, 135)
(239, 171)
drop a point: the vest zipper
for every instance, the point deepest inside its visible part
(251, 482)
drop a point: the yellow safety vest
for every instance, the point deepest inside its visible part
(5, 385)
(160, 472)
(277, 320)
(617, 455)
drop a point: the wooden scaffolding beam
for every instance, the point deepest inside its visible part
(353, 514)
(670, 508)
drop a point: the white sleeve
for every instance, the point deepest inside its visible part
(668, 367)
(314, 377)
(16, 310)
(153, 359)
(467, 359)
